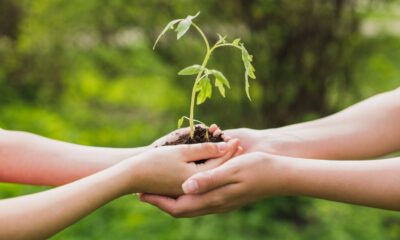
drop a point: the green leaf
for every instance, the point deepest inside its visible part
(184, 25)
(205, 90)
(192, 70)
(208, 87)
(200, 84)
(236, 42)
(180, 122)
(169, 26)
(220, 87)
(250, 70)
(219, 76)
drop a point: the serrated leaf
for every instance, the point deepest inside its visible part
(191, 70)
(219, 76)
(184, 25)
(169, 26)
(236, 42)
(180, 122)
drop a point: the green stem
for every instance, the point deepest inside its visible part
(198, 77)
(192, 103)
(225, 45)
(203, 66)
(202, 35)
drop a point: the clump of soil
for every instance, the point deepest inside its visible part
(199, 137)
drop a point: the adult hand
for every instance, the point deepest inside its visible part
(277, 141)
(164, 169)
(241, 180)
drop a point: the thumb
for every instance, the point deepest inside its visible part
(208, 180)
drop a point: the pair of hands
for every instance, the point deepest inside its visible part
(219, 185)
(162, 170)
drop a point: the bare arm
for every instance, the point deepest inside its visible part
(368, 183)
(31, 159)
(253, 176)
(368, 129)
(162, 170)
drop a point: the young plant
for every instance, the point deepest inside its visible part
(202, 87)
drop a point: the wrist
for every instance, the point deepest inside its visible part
(274, 141)
(125, 176)
(278, 175)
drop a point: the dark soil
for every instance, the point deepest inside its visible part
(199, 137)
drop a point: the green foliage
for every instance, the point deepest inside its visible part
(85, 72)
(202, 85)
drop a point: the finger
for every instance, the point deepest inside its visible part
(195, 205)
(217, 132)
(176, 208)
(226, 138)
(231, 149)
(213, 127)
(209, 180)
(239, 151)
(164, 203)
(201, 151)
(216, 201)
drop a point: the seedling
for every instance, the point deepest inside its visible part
(202, 87)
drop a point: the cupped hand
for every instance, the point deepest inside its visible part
(164, 169)
(214, 129)
(240, 181)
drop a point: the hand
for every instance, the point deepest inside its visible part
(277, 141)
(164, 169)
(241, 180)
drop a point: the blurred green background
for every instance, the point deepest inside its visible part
(84, 72)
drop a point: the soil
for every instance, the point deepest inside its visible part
(199, 137)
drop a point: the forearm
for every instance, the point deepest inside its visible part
(370, 183)
(38, 216)
(365, 130)
(31, 159)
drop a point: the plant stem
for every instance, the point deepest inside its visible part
(198, 77)
(203, 66)
(192, 103)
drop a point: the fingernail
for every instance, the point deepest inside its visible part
(190, 186)
(222, 146)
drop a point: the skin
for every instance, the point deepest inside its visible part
(160, 171)
(91, 177)
(363, 131)
(25, 158)
(257, 175)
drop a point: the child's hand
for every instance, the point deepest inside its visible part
(164, 169)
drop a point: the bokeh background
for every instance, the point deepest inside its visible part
(84, 72)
